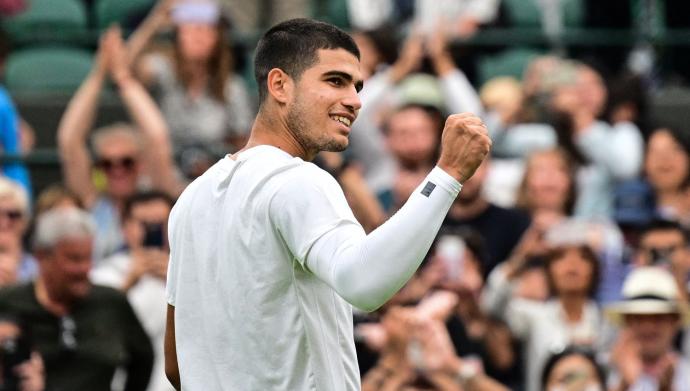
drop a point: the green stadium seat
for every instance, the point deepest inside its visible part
(48, 21)
(107, 12)
(510, 62)
(526, 13)
(47, 69)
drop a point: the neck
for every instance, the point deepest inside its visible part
(464, 211)
(271, 129)
(51, 303)
(670, 197)
(573, 306)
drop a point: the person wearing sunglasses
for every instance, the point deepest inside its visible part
(83, 332)
(118, 148)
(16, 264)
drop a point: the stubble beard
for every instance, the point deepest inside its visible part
(312, 143)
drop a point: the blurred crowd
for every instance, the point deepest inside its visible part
(564, 263)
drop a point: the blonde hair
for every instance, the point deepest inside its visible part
(120, 131)
(13, 190)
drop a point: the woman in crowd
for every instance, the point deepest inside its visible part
(572, 369)
(203, 101)
(667, 170)
(16, 264)
(569, 317)
(118, 148)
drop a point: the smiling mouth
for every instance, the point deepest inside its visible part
(343, 120)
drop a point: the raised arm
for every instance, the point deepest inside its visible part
(366, 270)
(148, 118)
(137, 42)
(75, 125)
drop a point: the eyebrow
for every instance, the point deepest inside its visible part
(358, 84)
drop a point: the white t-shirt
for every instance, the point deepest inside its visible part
(248, 315)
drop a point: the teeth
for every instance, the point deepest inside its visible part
(343, 120)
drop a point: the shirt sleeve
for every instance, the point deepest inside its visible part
(365, 270)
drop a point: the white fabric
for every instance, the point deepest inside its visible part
(542, 326)
(148, 300)
(429, 13)
(248, 313)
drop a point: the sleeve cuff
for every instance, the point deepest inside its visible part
(445, 181)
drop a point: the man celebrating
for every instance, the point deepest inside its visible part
(266, 256)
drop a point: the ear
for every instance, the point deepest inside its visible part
(280, 85)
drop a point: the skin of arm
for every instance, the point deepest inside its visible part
(172, 371)
(148, 118)
(141, 37)
(74, 128)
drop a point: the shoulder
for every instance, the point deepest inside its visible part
(16, 291)
(107, 296)
(513, 215)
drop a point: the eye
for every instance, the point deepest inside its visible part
(336, 81)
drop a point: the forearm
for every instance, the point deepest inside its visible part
(149, 120)
(367, 270)
(80, 113)
(141, 37)
(459, 94)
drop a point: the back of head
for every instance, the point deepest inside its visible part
(293, 46)
(59, 224)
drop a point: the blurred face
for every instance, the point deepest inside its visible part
(154, 212)
(65, 269)
(665, 246)
(325, 102)
(593, 92)
(197, 41)
(548, 182)
(369, 56)
(571, 273)
(654, 333)
(13, 219)
(119, 161)
(412, 136)
(666, 163)
(573, 372)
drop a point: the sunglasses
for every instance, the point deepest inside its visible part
(12, 214)
(126, 163)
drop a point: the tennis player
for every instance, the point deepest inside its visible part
(267, 258)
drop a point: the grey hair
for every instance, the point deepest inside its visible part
(116, 131)
(59, 224)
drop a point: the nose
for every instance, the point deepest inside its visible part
(352, 101)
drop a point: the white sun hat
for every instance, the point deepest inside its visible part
(649, 290)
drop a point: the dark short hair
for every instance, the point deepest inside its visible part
(555, 358)
(142, 198)
(664, 225)
(293, 46)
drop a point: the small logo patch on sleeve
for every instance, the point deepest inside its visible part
(428, 188)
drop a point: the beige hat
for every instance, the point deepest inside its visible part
(649, 290)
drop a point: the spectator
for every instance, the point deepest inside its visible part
(16, 264)
(118, 148)
(22, 367)
(651, 315)
(83, 332)
(141, 269)
(667, 169)
(664, 244)
(500, 227)
(56, 196)
(573, 369)
(202, 99)
(10, 129)
(570, 317)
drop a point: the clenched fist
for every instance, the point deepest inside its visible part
(464, 145)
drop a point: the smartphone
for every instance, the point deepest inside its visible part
(451, 251)
(154, 235)
(13, 351)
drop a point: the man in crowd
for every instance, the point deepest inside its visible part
(83, 332)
